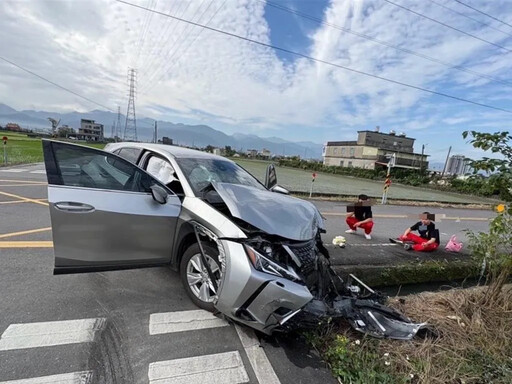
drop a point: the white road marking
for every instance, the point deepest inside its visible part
(180, 321)
(39, 171)
(14, 170)
(362, 245)
(66, 378)
(220, 368)
(44, 334)
(257, 357)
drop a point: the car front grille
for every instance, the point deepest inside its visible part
(306, 253)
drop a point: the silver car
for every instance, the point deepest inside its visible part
(243, 249)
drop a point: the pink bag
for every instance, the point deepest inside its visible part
(453, 245)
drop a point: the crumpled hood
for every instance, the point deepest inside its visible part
(271, 212)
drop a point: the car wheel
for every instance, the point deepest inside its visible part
(194, 275)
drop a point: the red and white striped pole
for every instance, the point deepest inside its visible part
(312, 181)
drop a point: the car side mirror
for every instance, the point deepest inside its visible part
(279, 189)
(270, 177)
(159, 194)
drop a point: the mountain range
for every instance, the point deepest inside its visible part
(182, 134)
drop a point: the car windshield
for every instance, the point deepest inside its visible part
(201, 172)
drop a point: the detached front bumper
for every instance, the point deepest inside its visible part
(366, 316)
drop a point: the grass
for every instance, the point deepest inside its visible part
(22, 149)
(474, 343)
(299, 180)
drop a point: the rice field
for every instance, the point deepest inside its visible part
(22, 149)
(298, 180)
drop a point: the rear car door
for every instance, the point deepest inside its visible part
(103, 213)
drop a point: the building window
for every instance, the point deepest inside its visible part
(341, 163)
(350, 164)
(352, 152)
(335, 151)
(342, 151)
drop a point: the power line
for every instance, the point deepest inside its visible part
(55, 84)
(377, 41)
(483, 13)
(161, 37)
(175, 49)
(319, 60)
(173, 63)
(153, 61)
(144, 31)
(469, 17)
(447, 26)
(170, 52)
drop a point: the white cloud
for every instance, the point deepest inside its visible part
(88, 46)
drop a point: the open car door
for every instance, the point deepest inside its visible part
(106, 213)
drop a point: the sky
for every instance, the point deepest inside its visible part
(196, 76)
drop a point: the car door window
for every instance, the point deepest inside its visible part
(89, 168)
(130, 154)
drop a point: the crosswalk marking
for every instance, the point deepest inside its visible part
(14, 170)
(257, 357)
(44, 334)
(180, 321)
(39, 171)
(66, 378)
(220, 368)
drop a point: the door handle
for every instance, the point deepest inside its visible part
(70, 206)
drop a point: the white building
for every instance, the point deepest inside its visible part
(90, 131)
(457, 165)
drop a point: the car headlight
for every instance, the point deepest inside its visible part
(263, 264)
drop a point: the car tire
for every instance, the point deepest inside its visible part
(190, 264)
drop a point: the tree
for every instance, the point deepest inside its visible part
(228, 151)
(65, 131)
(494, 249)
(500, 169)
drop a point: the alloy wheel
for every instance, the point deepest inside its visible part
(198, 279)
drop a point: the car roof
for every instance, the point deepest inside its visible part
(165, 149)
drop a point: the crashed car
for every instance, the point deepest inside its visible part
(243, 249)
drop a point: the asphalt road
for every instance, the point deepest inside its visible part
(135, 326)
(138, 326)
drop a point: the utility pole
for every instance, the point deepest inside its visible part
(155, 140)
(113, 129)
(130, 126)
(117, 132)
(421, 160)
(446, 162)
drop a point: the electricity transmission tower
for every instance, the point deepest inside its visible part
(117, 132)
(130, 125)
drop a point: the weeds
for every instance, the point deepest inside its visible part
(474, 345)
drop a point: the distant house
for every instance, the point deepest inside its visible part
(167, 140)
(218, 151)
(13, 127)
(90, 131)
(252, 153)
(265, 153)
(372, 149)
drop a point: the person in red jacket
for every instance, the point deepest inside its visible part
(360, 216)
(428, 239)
